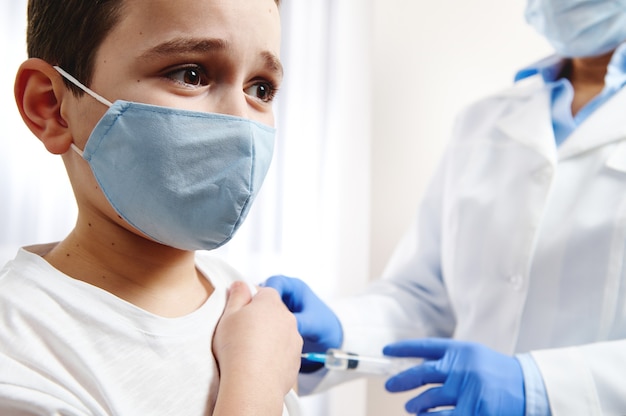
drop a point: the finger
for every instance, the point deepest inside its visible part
(429, 348)
(431, 398)
(270, 295)
(289, 290)
(277, 283)
(238, 296)
(414, 377)
(310, 326)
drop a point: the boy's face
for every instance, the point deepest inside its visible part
(218, 56)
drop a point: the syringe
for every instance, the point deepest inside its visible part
(335, 359)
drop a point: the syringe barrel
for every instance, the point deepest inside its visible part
(341, 360)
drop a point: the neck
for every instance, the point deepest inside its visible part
(160, 279)
(587, 77)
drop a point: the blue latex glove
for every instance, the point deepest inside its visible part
(317, 323)
(475, 379)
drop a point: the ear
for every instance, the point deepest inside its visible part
(39, 91)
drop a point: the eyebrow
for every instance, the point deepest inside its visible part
(202, 45)
(272, 62)
(184, 45)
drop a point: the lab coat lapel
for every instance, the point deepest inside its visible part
(605, 125)
(528, 120)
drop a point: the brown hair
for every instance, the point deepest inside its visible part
(68, 33)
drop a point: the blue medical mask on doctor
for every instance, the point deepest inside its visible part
(186, 179)
(579, 28)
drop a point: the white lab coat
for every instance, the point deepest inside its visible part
(520, 246)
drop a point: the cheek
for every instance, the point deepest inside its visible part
(260, 112)
(268, 119)
(84, 118)
(265, 117)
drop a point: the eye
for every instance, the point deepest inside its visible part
(264, 91)
(192, 76)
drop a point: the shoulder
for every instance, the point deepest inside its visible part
(21, 272)
(484, 112)
(518, 93)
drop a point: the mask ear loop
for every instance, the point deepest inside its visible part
(76, 82)
(77, 150)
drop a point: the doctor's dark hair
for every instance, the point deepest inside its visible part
(68, 33)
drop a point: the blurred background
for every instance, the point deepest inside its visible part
(371, 90)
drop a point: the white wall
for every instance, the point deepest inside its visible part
(430, 59)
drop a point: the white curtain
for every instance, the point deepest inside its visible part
(311, 219)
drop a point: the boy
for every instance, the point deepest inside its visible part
(161, 111)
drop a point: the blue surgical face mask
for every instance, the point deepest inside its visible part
(579, 28)
(186, 179)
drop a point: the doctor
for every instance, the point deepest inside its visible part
(512, 279)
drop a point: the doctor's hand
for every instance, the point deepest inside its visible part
(317, 323)
(474, 379)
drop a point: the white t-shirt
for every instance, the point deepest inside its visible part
(70, 348)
